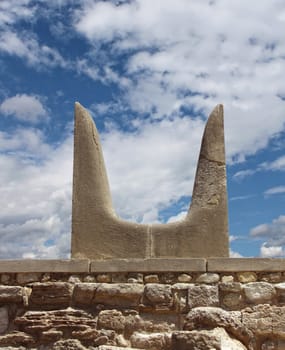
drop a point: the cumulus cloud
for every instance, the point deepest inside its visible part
(271, 252)
(273, 233)
(28, 108)
(35, 196)
(158, 167)
(188, 55)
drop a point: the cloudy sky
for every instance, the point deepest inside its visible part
(149, 72)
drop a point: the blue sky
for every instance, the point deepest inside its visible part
(149, 72)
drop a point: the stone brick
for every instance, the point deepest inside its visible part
(203, 295)
(122, 294)
(158, 294)
(208, 278)
(247, 277)
(51, 294)
(4, 319)
(84, 293)
(11, 294)
(259, 292)
(111, 319)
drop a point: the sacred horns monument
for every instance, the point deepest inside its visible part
(132, 286)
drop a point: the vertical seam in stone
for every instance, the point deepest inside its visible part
(149, 250)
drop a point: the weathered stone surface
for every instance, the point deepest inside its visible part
(104, 278)
(151, 278)
(151, 341)
(158, 294)
(4, 319)
(227, 278)
(24, 278)
(247, 277)
(31, 266)
(51, 335)
(16, 339)
(212, 317)
(97, 233)
(245, 264)
(51, 294)
(203, 295)
(84, 293)
(259, 292)
(59, 320)
(122, 294)
(208, 278)
(232, 300)
(68, 344)
(111, 319)
(217, 339)
(184, 278)
(11, 294)
(234, 287)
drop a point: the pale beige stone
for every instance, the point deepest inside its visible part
(208, 278)
(104, 278)
(246, 277)
(184, 278)
(227, 278)
(216, 339)
(151, 341)
(151, 279)
(97, 233)
(119, 294)
(234, 287)
(259, 292)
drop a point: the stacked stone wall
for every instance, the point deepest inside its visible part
(199, 307)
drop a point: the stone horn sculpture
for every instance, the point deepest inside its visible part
(97, 233)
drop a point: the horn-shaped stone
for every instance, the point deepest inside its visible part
(97, 233)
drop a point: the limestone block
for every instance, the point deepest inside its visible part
(16, 339)
(158, 294)
(184, 278)
(208, 278)
(83, 293)
(119, 294)
(51, 294)
(259, 292)
(217, 339)
(51, 335)
(247, 277)
(151, 341)
(24, 278)
(4, 319)
(11, 294)
(151, 278)
(203, 295)
(212, 317)
(232, 300)
(59, 320)
(233, 287)
(98, 233)
(68, 344)
(111, 319)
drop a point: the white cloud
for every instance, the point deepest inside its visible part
(12, 11)
(178, 217)
(27, 47)
(274, 190)
(271, 252)
(277, 164)
(234, 254)
(158, 168)
(222, 52)
(273, 233)
(35, 196)
(28, 108)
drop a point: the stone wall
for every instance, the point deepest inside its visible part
(164, 304)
